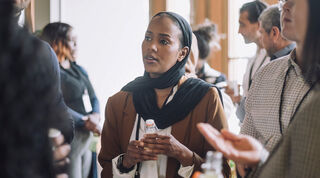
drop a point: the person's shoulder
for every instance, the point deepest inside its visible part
(212, 93)
(47, 51)
(120, 97)
(80, 68)
(274, 67)
(279, 62)
(120, 102)
(44, 44)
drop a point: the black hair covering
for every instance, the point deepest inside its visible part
(187, 97)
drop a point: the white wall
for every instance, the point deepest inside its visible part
(110, 33)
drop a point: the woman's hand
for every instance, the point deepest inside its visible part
(240, 148)
(91, 123)
(60, 153)
(168, 145)
(137, 153)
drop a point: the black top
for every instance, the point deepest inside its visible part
(74, 82)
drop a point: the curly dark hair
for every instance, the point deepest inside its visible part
(27, 102)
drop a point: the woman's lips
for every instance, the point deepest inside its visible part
(150, 59)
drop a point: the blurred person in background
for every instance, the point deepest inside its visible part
(208, 41)
(78, 94)
(52, 63)
(249, 29)
(297, 152)
(28, 105)
(270, 28)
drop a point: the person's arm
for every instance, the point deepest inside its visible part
(240, 148)
(77, 117)
(67, 126)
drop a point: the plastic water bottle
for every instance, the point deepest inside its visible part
(150, 168)
(213, 165)
(150, 126)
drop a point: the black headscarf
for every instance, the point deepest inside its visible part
(186, 98)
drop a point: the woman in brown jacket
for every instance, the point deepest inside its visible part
(175, 102)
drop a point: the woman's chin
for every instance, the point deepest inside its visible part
(154, 74)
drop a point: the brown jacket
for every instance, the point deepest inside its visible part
(120, 117)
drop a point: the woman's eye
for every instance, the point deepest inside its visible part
(164, 42)
(147, 38)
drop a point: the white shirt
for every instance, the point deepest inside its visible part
(254, 64)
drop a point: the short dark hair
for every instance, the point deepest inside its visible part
(311, 54)
(254, 9)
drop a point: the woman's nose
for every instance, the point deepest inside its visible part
(152, 46)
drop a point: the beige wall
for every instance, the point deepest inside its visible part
(272, 1)
(42, 13)
(217, 12)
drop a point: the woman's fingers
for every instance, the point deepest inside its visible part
(61, 152)
(231, 136)
(138, 152)
(157, 145)
(62, 176)
(57, 140)
(62, 165)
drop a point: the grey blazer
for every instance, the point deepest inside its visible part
(297, 154)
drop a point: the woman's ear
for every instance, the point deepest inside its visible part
(183, 53)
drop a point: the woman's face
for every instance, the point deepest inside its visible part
(161, 47)
(294, 18)
(72, 44)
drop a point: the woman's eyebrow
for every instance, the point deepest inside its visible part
(165, 35)
(160, 34)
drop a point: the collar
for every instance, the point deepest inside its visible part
(295, 66)
(284, 51)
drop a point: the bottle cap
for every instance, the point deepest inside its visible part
(150, 123)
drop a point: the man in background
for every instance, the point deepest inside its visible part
(249, 29)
